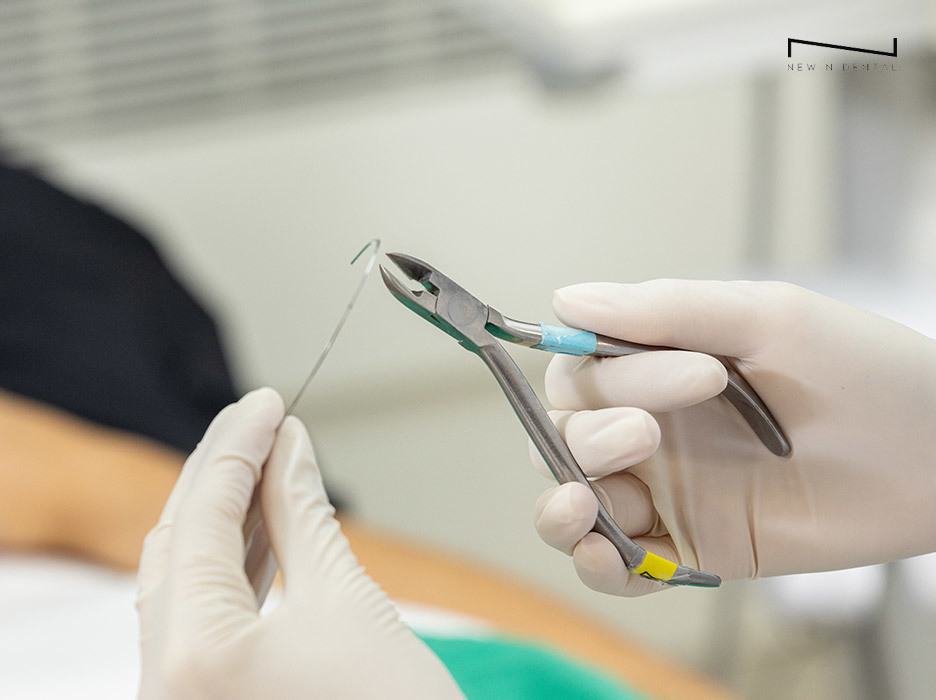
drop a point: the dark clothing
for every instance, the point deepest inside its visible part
(93, 322)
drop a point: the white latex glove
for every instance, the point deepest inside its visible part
(854, 392)
(335, 635)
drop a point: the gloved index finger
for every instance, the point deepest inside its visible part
(207, 541)
(721, 318)
(155, 557)
(653, 381)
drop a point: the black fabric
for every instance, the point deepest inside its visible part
(93, 322)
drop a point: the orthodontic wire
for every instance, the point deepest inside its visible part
(375, 242)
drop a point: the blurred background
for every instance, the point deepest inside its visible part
(518, 145)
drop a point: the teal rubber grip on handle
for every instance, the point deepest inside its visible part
(567, 341)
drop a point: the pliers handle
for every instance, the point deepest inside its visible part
(563, 466)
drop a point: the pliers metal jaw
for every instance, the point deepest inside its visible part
(478, 328)
(443, 303)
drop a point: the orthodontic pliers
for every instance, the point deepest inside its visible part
(478, 328)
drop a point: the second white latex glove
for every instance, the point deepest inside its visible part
(335, 635)
(688, 479)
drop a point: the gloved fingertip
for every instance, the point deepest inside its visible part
(712, 376)
(595, 549)
(295, 429)
(241, 435)
(555, 380)
(264, 401)
(569, 302)
(561, 296)
(541, 502)
(568, 501)
(564, 514)
(608, 440)
(559, 381)
(293, 466)
(599, 565)
(580, 499)
(653, 430)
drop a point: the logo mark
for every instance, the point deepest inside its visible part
(790, 43)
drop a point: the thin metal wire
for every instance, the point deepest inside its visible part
(375, 242)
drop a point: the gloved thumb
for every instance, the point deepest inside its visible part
(721, 318)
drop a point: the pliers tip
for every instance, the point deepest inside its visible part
(417, 300)
(414, 268)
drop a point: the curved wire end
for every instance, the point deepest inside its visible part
(370, 263)
(374, 244)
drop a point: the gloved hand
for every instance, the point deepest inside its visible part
(685, 476)
(335, 635)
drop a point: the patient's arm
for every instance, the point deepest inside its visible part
(70, 485)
